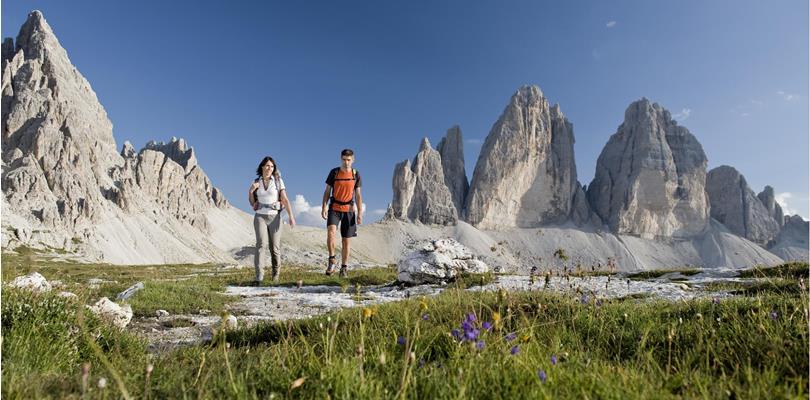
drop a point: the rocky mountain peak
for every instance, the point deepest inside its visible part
(36, 37)
(421, 189)
(64, 176)
(735, 205)
(177, 150)
(451, 150)
(127, 150)
(425, 145)
(650, 176)
(768, 199)
(525, 175)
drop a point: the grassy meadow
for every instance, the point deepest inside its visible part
(458, 344)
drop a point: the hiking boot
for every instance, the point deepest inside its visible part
(344, 271)
(275, 274)
(330, 266)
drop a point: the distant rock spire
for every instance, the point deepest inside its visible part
(451, 150)
(420, 191)
(525, 175)
(736, 206)
(650, 176)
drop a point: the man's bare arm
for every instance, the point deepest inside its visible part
(326, 194)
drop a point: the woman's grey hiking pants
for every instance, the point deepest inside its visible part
(268, 235)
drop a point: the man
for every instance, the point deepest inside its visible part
(345, 209)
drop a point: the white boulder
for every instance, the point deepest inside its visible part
(33, 281)
(110, 311)
(438, 261)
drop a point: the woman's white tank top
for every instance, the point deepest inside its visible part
(269, 196)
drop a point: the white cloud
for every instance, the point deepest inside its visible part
(683, 115)
(787, 96)
(782, 199)
(610, 24)
(793, 203)
(306, 214)
(310, 214)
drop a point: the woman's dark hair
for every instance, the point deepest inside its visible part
(276, 173)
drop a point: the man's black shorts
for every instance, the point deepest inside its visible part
(347, 221)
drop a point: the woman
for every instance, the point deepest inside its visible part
(268, 197)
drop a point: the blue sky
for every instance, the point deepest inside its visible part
(302, 80)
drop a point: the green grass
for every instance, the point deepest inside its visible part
(470, 280)
(176, 288)
(619, 350)
(747, 347)
(793, 270)
(775, 286)
(661, 272)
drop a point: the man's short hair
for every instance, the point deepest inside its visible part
(347, 153)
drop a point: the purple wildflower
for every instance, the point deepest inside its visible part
(466, 326)
(487, 325)
(514, 350)
(456, 333)
(510, 336)
(542, 375)
(598, 302)
(471, 334)
(774, 315)
(401, 340)
(715, 300)
(425, 317)
(553, 359)
(585, 299)
(479, 345)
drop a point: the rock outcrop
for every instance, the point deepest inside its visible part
(451, 150)
(438, 261)
(650, 177)
(66, 185)
(766, 196)
(525, 175)
(736, 206)
(34, 282)
(112, 312)
(421, 191)
(792, 242)
(57, 140)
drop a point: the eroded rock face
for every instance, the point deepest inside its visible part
(438, 261)
(525, 175)
(451, 150)
(736, 206)
(57, 140)
(793, 240)
(420, 190)
(63, 176)
(650, 177)
(767, 198)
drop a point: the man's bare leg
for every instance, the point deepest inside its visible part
(344, 258)
(331, 232)
(344, 252)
